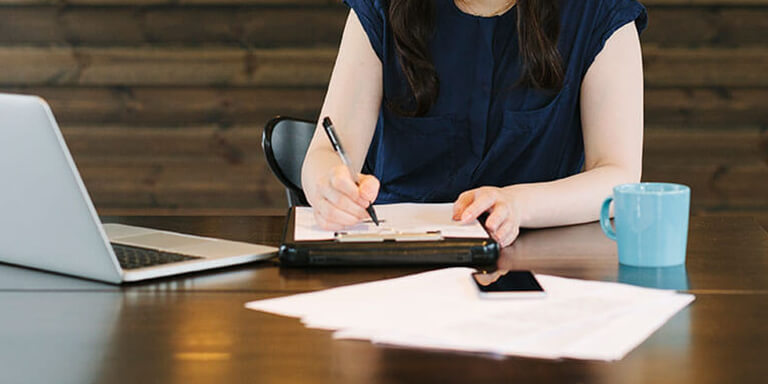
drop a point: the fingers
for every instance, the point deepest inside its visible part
(368, 187)
(325, 224)
(507, 234)
(502, 225)
(332, 217)
(482, 201)
(343, 202)
(461, 203)
(501, 222)
(339, 203)
(341, 180)
(499, 214)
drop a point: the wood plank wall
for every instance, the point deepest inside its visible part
(163, 101)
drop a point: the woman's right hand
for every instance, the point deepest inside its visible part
(337, 202)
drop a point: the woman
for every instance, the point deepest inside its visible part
(530, 110)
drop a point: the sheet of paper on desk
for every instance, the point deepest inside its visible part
(441, 310)
(405, 217)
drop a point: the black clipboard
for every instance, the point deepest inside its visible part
(423, 249)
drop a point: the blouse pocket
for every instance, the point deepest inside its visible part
(419, 156)
(520, 128)
(515, 151)
(528, 120)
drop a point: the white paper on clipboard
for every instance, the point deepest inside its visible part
(402, 217)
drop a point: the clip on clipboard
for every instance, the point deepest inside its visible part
(386, 248)
(344, 237)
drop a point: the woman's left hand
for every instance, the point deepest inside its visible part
(503, 222)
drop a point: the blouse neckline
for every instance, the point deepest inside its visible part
(459, 11)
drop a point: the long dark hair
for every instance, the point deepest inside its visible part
(413, 21)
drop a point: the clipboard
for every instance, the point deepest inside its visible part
(378, 250)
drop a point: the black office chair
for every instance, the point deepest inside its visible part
(285, 142)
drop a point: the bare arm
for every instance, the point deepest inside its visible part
(612, 122)
(353, 101)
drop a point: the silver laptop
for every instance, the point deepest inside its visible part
(48, 222)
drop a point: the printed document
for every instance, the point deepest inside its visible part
(441, 309)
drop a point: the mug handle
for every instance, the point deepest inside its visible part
(605, 219)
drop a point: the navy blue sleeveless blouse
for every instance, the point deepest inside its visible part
(484, 130)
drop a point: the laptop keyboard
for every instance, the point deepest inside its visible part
(135, 257)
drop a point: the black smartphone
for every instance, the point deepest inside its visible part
(508, 284)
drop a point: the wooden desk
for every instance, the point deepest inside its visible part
(194, 328)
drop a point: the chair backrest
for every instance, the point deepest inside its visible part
(285, 142)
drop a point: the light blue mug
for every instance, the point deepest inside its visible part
(651, 223)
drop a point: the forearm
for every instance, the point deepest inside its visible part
(572, 200)
(352, 102)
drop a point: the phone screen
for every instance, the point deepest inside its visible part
(509, 281)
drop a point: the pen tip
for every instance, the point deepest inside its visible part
(372, 213)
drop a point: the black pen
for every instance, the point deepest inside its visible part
(336, 143)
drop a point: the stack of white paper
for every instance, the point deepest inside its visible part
(442, 310)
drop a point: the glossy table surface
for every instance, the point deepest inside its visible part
(194, 328)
